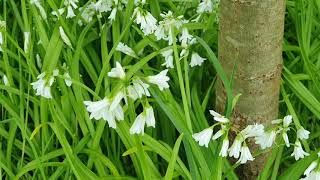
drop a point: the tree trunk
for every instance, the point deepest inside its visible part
(251, 35)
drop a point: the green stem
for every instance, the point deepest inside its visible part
(182, 88)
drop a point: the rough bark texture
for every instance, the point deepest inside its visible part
(251, 35)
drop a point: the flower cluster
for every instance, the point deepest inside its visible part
(111, 108)
(264, 138)
(239, 148)
(43, 85)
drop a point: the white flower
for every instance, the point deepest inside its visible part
(164, 30)
(70, 13)
(116, 100)
(137, 2)
(146, 117)
(64, 37)
(26, 41)
(103, 6)
(160, 79)
(203, 137)
(138, 125)
(266, 139)
(148, 23)
(73, 3)
(287, 121)
(168, 56)
(88, 13)
(150, 120)
(117, 72)
(126, 50)
(310, 168)
(100, 109)
(224, 148)
(286, 139)
(67, 79)
(302, 133)
(39, 61)
(138, 89)
(5, 80)
(186, 38)
(42, 86)
(218, 134)
(234, 150)
(298, 152)
(205, 6)
(314, 175)
(41, 9)
(196, 60)
(218, 117)
(245, 155)
(113, 14)
(253, 131)
(58, 12)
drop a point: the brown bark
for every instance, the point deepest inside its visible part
(251, 35)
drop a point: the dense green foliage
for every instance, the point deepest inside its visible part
(55, 139)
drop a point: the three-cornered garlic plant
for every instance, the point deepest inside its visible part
(264, 138)
(110, 109)
(40, 7)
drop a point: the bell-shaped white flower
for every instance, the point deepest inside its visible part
(245, 155)
(101, 110)
(286, 139)
(42, 86)
(302, 133)
(218, 117)
(5, 80)
(26, 41)
(203, 137)
(64, 37)
(218, 134)
(160, 79)
(103, 6)
(266, 139)
(298, 151)
(138, 89)
(287, 121)
(138, 125)
(314, 175)
(98, 108)
(224, 148)
(87, 13)
(168, 56)
(150, 120)
(116, 100)
(185, 38)
(234, 150)
(126, 50)
(148, 23)
(310, 168)
(205, 6)
(113, 14)
(67, 79)
(196, 60)
(70, 13)
(117, 72)
(144, 118)
(253, 131)
(41, 9)
(165, 27)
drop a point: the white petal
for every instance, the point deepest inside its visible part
(203, 137)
